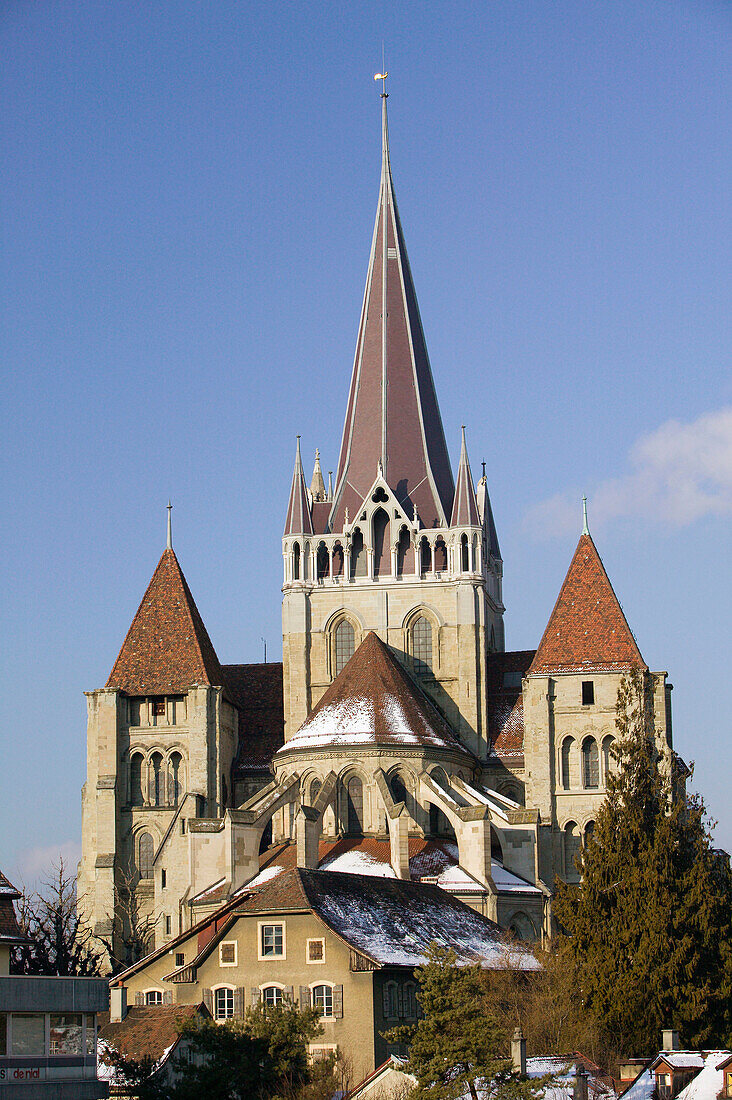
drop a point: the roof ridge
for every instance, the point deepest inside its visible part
(583, 635)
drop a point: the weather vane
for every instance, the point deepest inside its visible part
(382, 77)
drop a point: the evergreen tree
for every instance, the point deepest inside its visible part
(459, 1046)
(649, 926)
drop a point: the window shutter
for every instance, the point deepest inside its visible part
(167, 997)
(385, 992)
(239, 1002)
(208, 1000)
(400, 1001)
(304, 997)
(139, 999)
(338, 1001)
(255, 996)
(289, 994)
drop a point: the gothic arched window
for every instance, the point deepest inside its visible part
(156, 780)
(464, 555)
(296, 562)
(567, 746)
(136, 796)
(607, 759)
(572, 848)
(422, 646)
(381, 543)
(354, 805)
(314, 790)
(145, 855)
(344, 645)
(358, 555)
(590, 763)
(402, 550)
(322, 561)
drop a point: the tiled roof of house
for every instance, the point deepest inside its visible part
(167, 648)
(256, 691)
(587, 630)
(373, 701)
(6, 887)
(9, 928)
(149, 1031)
(505, 702)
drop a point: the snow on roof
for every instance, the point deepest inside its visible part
(681, 1059)
(642, 1088)
(393, 921)
(707, 1085)
(358, 862)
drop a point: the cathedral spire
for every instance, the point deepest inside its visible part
(392, 415)
(299, 521)
(464, 508)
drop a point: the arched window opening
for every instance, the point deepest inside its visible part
(266, 837)
(175, 778)
(145, 855)
(590, 764)
(422, 646)
(381, 543)
(157, 780)
(522, 927)
(398, 788)
(314, 790)
(567, 746)
(589, 832)
(323, 561)
(510, 790)
(136, 797)
(345, 645)
(464, 562)
(354, 806)
(402, 550)
(338, 560)
(358, 555)
(440, 556)
(439, 822)
(272, 996)
(296, 561)
(496, 849)
(323, 999)
(607, 757)
(425, 555)
(572, 849)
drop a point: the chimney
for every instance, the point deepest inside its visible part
(117, 1003)
(670, 1039)
(580, 1084)
(518, 1052)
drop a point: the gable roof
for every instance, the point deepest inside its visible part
(505, 701)
(167, 648)
(392, 416)
(10, 932)
(147, 1031)
(587, 630)
(373, 701)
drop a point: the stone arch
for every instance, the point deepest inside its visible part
(590, 764)
(144, 853)
(588, 832)
(441, 823)
(322, 561)
(567, 757)
(522, 927)
(512, 791)
(338, 559)
(380, 543)
(430, 662)
(440, 555)
(340, 644)
(403, 548)
(607, 760)
(464, 554)
(137, 764)
(425, 555)
(354, 804)
(156, 778)
(572, 846)
(296, 562)
(358, 554)
(176, 777)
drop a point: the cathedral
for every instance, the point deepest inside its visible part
(398, 738)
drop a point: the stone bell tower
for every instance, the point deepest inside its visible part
(397, 546)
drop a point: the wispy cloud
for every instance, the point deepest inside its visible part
(35, 864)
(676, 474)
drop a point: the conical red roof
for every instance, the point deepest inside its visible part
(167, 648)
(587, 630)
(465, 508)
(392, 416)
(298, 520)
(373, 701)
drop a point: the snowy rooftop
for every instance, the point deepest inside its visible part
(707, 1085)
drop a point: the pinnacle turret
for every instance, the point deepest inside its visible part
(464, 508)
(317, 485)
(299, 519)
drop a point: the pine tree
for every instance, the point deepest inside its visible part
(649, 926)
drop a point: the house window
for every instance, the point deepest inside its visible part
(227, 953)
(345, 645)
(145, 855)
(153, 997)
(391, 1001)
(410, 1001)
(180, 959)
(316, 951)
(422, 646)
(168, 925)
(223, 1003)
(271, 996)
(323, 999)
(588, 693)
(272, 941)
(590, 764)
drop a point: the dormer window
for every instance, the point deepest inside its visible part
(588, 693)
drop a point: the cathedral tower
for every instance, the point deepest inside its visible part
(395, 548)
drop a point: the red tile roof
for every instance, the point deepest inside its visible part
(9, 928)
(148, 1030)
(257, 692)
(505, 701)
(167, 648)
(373, 700)
(587, 631)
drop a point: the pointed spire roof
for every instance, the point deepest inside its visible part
(317, 485)
(392, 415)
(299, 520)
(167, 648)
(587, 630)
(485, 512)
(465, 507)
(373, 701)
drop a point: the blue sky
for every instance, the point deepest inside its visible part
(188, 193)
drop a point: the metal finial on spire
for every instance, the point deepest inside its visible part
(585, 528)
(483, 465)
(382, 77)
(169, 543)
